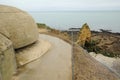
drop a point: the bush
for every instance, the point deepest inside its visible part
(92, 46)
(110, 54)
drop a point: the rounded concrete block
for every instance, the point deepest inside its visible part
(18, 26)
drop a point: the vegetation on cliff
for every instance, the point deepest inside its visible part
(104, 42)
(85, 67)
(54, 32)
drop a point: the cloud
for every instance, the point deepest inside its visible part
(31, 5)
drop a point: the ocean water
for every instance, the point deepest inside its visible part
(63, 20)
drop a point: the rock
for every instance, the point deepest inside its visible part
(85, 35)
(93, 54)
(7, 59)
(18, 26)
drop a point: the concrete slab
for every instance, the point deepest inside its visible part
(55, 65)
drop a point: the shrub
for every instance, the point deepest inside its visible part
(92, 46)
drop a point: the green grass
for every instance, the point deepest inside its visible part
(43, 26)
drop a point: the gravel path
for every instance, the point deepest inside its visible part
(54, 65)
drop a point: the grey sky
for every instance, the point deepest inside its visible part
(41, 5)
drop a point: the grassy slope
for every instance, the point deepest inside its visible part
(108, 42)
(87, 68)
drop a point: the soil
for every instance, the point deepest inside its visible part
(87, 68)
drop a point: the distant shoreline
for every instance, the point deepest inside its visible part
(76, 11)
(93, 31)
(65, 20)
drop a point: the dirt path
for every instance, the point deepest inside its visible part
(54, 65)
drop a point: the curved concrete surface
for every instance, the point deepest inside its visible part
(32, 52)
(18, 26)
(55, 65)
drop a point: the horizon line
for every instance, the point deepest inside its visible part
(70, 10)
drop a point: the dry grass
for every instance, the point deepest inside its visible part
(109, 43)
(59, 35)
(86, 68)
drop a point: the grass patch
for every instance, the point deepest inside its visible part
(43, 26)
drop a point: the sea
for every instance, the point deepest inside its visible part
(63, 20)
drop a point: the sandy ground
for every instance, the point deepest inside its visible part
(54, 65)
(111, 63)
(42, 30)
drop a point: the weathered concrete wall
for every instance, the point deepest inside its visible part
(21, 27)
(7, 59)
(17, 30)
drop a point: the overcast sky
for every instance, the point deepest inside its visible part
(47, 5)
